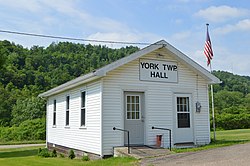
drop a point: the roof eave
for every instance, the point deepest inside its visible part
(192, 64)
(70, 84)
(103, 71)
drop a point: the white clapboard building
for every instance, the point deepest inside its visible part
(156, 86)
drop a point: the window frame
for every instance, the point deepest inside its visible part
(183, 109)
(131, 104)
(83, 109)
(67, 110)
(54, 113)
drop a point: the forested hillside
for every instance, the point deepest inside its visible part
(232, 101)
(27, 72)
(24, 73)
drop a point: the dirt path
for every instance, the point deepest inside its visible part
(19, 146)
(230, 156)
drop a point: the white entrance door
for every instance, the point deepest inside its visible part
(134, 118)
(183, 119)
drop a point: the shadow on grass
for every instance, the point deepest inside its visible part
(218, 142)
(22, 153)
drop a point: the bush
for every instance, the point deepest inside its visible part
(44, 153)
(54, 153)
(32, 129)
(232, 121)
(85, 158)
(72, 154)
(61, 155)
(39, 151)
(27, 130)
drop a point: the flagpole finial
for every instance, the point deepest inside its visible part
(207, 24)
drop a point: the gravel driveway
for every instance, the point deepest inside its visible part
(229, 156)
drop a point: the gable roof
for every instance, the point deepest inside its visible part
(104, 70)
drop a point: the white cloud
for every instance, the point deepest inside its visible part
(224, 59)
(48, 12)
(181, 36)
(243, 25)
(221, 13)
(31, 6)
(129, 36)
(178, 21)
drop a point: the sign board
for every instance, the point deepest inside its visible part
(158, 71)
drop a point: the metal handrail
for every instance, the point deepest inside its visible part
(114, 128)
(169, 134)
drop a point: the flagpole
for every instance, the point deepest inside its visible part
(212, 93)
(212, 98)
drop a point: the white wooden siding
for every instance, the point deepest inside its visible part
(159, 103)
(86, 139)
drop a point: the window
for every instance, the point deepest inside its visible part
(83, 108)
(133, 107)
(67, 110)
(54, 113)
(183, 112)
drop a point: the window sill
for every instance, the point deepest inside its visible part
(66, 127)
(82, 127)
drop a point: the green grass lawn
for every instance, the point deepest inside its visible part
(28, 157)
(223, 138)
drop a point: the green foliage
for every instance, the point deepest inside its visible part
(232, 82)
(232, 101)
(233, 121)
(61, 155)
(44, 153)
(71, 154)
(27, 130)
(85, 158)
(24, 73)
(54, 153)
(39, 150)
(27, 109)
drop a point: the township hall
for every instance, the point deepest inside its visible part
(156, 86)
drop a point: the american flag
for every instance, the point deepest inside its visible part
(208, 49)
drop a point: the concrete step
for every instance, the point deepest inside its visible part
(140, 152)
(185, 145)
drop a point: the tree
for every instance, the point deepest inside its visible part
(27, 109)
(225, 99)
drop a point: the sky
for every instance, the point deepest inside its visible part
(182, 23)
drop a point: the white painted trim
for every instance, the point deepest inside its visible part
(65, 111)
(191, 113)
(126, 108)
(120, 62)
(70, 84)
(47, 115)
(101, 120)
(80, 110)
(191, 64)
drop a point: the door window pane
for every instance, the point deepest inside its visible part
(183, 120)
(133, 107)
(183, 113)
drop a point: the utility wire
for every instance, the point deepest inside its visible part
(71, 38)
